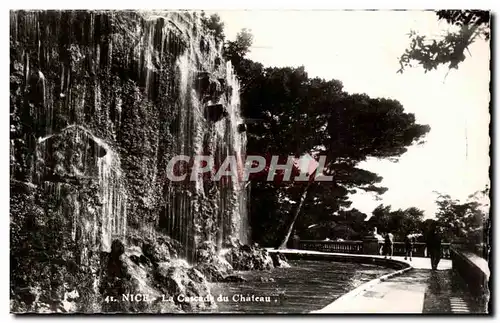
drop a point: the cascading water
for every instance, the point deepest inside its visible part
(72, 158)
(192, 216)
(105, 100)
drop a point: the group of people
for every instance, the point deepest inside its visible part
(432, 240)
(388, 246)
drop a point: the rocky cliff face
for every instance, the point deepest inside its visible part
(100, 101)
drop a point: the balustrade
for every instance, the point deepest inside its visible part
(356, 247)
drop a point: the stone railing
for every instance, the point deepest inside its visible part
(419, 249)
(480, 250)
(332, 246)
(473, 269)
(356, 247)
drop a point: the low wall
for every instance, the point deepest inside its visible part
(341, 257)
(473, 269)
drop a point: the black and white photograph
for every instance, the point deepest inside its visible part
(250, 161)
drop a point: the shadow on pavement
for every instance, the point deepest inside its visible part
(446, 292)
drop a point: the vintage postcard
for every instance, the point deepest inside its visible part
(273, 162)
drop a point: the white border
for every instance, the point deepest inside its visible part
(190, 4)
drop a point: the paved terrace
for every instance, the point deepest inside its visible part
(416, 289)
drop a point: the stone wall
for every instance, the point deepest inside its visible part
(100, 101)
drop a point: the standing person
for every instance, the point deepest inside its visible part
(381, 241)
(391, 244)
(409, 241)
(434, 246)
(388, 245)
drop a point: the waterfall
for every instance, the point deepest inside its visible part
(102, 167)
(191, 216)
(114, 211)
(110, 97)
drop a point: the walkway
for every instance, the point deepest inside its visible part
(419, 290)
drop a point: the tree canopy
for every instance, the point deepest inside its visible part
(398, 222)
(214, 25)
(470, 26)
(290, 113)
(464, 221)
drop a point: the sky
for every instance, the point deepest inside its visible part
(361, 49)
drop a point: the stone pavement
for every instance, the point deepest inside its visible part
(419, 290)
(424, 263)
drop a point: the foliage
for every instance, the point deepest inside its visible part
(45, 262)
(466, 17)
(398, 222)
(467, 221)
(214, 25)
(236, 50)
(449, 49)
(344, 224)
(290, 113)
(464, 221)
(60, 75)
